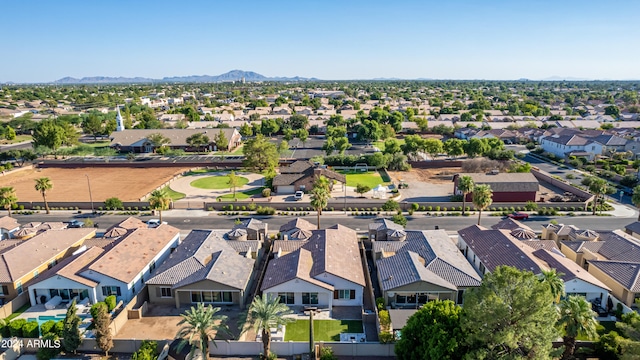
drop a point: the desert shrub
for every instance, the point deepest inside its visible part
(252, 207)
(266, 192)
(326, 353)
(415, 206)
(265, 210)
(429, 208)
(399, 219)
(230, 207)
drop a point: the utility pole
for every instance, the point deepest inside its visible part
(90, 195)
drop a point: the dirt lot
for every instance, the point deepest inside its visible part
(128, 184)
(426, 184)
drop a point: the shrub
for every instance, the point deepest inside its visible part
(444, 209)
(385, 337)
(4, 329)
(48, 327)
(48, 352)
(230, 207)
(385, 320)
(399, 219)
(531, 206)
(570, 176)
(111, 302)
(15, 327)
(95, 309)
(429, 208)
(437, 208)
(380, 303)
(266, 192)
(148, 350)
(390, 205)
(265, 210)
(113, 203)
(252, 207)
(415, 206)
(31, 330)
(326, 353)
(244, 208)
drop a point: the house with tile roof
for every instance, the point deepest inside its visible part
(8, 226)
(137, 140)
(204, 268)
(297, 229)
(507, 187)
(300, 176)
(486, 249)
(121, 268)
(386, 230)
(567, 145)
(324, 271)
(22, 261)
(426, 266)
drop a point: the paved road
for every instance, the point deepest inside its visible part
(18, 146)
(360, 223)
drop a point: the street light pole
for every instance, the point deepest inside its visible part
(90, 196)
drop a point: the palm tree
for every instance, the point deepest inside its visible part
(482, 198)
(465, 185)
(43, 185)
(199, 326)
(577, 318)
(159, 200)
(8, 198)
(635, 198)
(320, 194)
(265, 313)
(555, 282)
(597, 187)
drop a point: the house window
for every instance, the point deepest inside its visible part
(111, 290)
(165, 292)
(482, 268)
(344, 294)
(211, 297)
(460, 296)
(287, 298)
(310, 298)
(5, 290)
(19, 287)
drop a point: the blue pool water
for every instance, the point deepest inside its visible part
(44, 318)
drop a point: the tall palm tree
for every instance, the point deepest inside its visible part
(198, 326)
(265, 313)
(465, 185)
(577, 318)
(555, 282)
(482, 198)
(159, 200)
(43, 185)
(635, 198)
(597, 187)
(8, 198)
(320, 194)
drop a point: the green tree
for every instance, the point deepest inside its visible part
(159, 141)
(433, 147)
(113, 203)
(8, 198)
(260, 154)
(454, 147)
(159, 200)
(391, 146)
(246, 130)
(555, 283)
(198, 140)
(476, 147)
(270, 127)
(101, 322)
(198, 326)
(264, 314)
(303, 135)
(510, 316)
(92, 125)
(341, 144)
(432, 333)
(597, 187)
(221, 141)
(48, 352)
(362, 189)
(233, 182)
(71, 338)
(47, 133)
(465, 186)
(43, 185)
(576, 318)
(612, 110)
(635, 198)
(482, 198)
(399, 219)
(283, 148)
(9, 133)
(320, 194)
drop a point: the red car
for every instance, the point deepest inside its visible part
(519, 216)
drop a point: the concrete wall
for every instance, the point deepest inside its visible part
(564, 186)
(13, 305)
(290, 348)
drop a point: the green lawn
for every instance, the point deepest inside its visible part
(241, 195)
(323, 330)
(18, 139)
(217, 182)
(174, 195)
(370, 178)
(380, 144)
(238, 151)
(98, 144)
(24, 308)
(201, 171)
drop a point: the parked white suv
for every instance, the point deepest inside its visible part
(152, 223)
(299, 195)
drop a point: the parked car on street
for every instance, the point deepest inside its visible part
(153, 223)
(75, 224)
(519, 216)
(299, 195)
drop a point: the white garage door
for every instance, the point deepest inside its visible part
(286, 189)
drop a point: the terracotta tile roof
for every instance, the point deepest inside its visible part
(541, 244)
(30, 254)
(297, 223)
(287, 246)
(8, 223)
(333, 250)
(133, 252)
(72, 266)
(498, 247)
(130, 223)
(384, 224)
(509, 224)
(569, 269)
(625, 273)
(204, 255)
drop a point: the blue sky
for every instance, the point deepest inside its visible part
(452, 39)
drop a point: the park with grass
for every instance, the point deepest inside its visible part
(217, 182)
(323, 330)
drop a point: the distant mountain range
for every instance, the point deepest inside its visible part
(234, 75)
